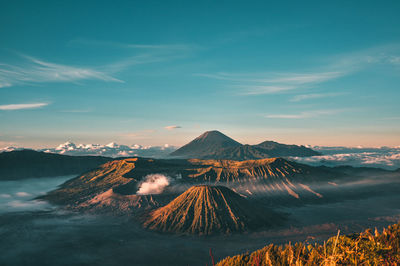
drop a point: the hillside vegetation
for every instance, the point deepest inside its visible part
(367, 248)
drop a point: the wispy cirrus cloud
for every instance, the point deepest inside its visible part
(140, 53)
(136, 60)
(137, 134)
(11, 107)
(306, 114)
(388, 55)
(285, 82)
(303, 97)
(275, 77)
(273, 83)
(172, 127)
(333, 67)
(173, 46)
(77, 111)
(257, 90)
(33, 70)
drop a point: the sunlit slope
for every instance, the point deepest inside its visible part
(123, 176)
(105, 177)
(206, 210)
(271, 168)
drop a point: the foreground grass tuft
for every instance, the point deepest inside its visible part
(366, 248)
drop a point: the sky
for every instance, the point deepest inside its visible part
(157, 72)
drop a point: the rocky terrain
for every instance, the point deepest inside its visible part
(206, 210)
(124, 176)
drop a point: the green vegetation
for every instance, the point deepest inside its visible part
(366, 248)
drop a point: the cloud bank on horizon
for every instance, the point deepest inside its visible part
(384, 157)
(109, 150)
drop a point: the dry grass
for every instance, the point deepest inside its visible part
(366, 248)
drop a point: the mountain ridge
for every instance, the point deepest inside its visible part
(124, 176)
(29, 163)
(207, 210)
(216, 145)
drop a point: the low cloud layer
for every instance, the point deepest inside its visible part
(19, 195)
(384, 157)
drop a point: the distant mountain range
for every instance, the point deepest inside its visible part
(382, 157)
(209, 145)
(109, 150)
(215, 145)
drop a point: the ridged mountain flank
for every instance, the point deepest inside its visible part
(207, 210)
(215, 145)
(207, 143)
(124, 177)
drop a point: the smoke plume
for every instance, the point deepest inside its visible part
(153, 184)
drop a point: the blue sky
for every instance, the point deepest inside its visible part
(156, 72)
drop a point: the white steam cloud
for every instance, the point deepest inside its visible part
(153, 184)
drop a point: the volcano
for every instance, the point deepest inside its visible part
(124, 176)
(215, 145)
(207, 210)
(209, 142)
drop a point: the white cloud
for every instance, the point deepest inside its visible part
(143, 53)
(77, 111)
(273, 83)
(9, 107)
(4, 84)
(33, 70)
(176, 46)
(334, 67)
(257, 90)
(305, 78)
(303, 97)
(172, 127)
(304, 115)
(384, 157)
(394, 59)
(22, 194)
(359, 60)
(290, 116)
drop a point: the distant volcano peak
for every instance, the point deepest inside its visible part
(208, 142)
(217, 136)
(216, 145)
